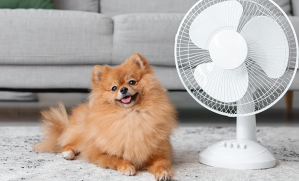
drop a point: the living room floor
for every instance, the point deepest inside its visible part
(190, 112)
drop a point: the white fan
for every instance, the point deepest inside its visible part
(237, 58)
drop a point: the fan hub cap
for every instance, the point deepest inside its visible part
(228, 49)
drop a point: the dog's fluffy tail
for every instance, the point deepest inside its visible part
(55, 123)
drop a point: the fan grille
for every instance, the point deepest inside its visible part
(265, 91)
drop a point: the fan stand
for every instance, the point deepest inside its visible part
(241, 153)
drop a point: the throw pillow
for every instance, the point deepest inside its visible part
(26, 4)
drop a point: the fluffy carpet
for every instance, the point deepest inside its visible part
(18, 161)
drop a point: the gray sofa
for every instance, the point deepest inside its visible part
(57, 49)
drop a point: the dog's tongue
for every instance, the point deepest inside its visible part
(126, 99)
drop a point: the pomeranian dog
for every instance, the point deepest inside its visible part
(125, 125)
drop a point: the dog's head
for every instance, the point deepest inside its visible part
(123, 85)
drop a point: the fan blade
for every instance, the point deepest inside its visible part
(267, 45)
(222, 84)
(221, 16)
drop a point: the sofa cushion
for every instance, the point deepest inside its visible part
(295, 7)
(152, 35)
(54, 37)
(295, 22)
(78, 5)
(285, 5)
(115, 7)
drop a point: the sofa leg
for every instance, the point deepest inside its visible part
(288, 100)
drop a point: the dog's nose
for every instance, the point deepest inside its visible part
(124, 90)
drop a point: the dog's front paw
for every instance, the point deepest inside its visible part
(126, 169)
(68, 155)
(163, 175)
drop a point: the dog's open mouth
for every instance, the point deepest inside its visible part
(128, 99)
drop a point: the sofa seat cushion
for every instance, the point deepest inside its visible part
(54, 37)
(152, 35)
(67, 77)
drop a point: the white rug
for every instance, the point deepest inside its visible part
(18, 161)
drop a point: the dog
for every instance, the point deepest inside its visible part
(125, 125)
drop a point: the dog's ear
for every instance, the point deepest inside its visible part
(97, 73)
(140, 60)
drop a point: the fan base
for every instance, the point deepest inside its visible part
(238, 154)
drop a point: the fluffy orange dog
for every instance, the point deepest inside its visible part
(125, 125)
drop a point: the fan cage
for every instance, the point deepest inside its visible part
(264, 90)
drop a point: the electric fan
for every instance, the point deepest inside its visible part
(237, 58)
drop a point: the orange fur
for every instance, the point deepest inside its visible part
(111, 134)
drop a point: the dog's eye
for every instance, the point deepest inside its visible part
(114, 88)
(132, 82)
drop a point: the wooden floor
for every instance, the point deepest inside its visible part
(190, 112)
